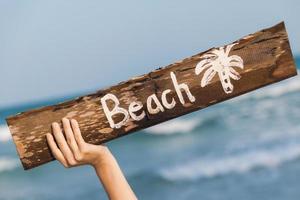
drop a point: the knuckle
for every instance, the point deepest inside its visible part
(69, 139)
(77, 137)
(60, 143)
(78, 157)
(71, 162)
(68, 129)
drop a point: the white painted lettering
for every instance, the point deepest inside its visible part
(159, 107)
(116, 110)
(179, 87)
(134, 107)
(165, 101)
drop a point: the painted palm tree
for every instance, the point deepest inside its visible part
(219, 62)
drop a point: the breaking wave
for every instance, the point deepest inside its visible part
(277, 90)
(242, 163)
(8, 164)
(4, 133)
(174, 126)
(292, 85)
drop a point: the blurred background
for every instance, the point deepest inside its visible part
(245, 148)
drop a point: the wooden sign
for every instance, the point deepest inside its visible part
(191, 84)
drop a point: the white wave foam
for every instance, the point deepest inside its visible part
(292, 85)
(4, 133)
(242, 163)
(277, 90)
(174, 126)
(7, 164)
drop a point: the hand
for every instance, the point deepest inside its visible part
(70, 149)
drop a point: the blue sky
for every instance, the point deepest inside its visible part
(51, 49)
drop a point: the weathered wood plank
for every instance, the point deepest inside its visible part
(258, 59)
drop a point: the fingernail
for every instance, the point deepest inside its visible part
(64, 119)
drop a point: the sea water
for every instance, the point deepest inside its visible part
(244, 148)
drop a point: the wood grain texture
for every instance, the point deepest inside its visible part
(267, 59)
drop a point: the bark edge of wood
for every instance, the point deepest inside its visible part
(267, 58)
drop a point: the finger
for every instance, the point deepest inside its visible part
(55, 150)
(77, 133)
(70, 136)
(62, 144)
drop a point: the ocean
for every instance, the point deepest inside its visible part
(244, 148)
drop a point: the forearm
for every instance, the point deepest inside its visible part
(71, 150)
(113, 179)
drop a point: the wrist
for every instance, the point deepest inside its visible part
(104, 157)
